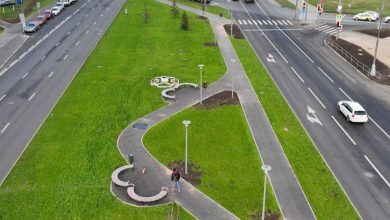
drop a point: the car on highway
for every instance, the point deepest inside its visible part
(41, 20)
(365, 17)
(373, 13)
(55, 10)
(353, 111)
(6, 2)
(387, 19)
(60, 5)
(48, 14)
(31, 27)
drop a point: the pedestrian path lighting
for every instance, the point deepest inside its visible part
(233, 61)
(186, 123)
(200, 83)
(266, 168)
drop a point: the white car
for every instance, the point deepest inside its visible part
(365, 17)
(353, 111)
(55, 10)
(60, 5)
(66, 2)
(387, 19)
(373, 13)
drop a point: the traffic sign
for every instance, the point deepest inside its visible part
(339, 17)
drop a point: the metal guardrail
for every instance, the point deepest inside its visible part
(352, 60)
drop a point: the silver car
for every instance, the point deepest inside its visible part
(31, 27)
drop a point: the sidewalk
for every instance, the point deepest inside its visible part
(289, 194)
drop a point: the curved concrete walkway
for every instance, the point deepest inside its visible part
(290, 196)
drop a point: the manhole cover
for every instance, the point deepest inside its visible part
(142, 126)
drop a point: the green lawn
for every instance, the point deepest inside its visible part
(319, 185)
(11, 13)
(220, 143)
(286, 4)
(65, 171)
(209, 8)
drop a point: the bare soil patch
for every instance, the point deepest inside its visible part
(268, 215)
(194, 172)
(365, 58)
(222, 98)
(236, 31)
(210, 44)
(374, 32)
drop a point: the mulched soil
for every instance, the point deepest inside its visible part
(374, 32)
(210, 44)
(194, 172)
(268, 215)
(366, 58)
(222, 98)
(236, 31)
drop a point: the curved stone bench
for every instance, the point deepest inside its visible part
(178, 86)
(114, 176)
(138, 198)
(164, 93)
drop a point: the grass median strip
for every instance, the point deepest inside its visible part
(318, 183)
(65, 171)
(209, 8)
(220, 144)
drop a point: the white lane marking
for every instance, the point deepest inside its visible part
(288, 21)
(325, 27)
(101, 15)
(77, 43)
(239, 22)
(66, 56)
(380, 128)
(13, 63)
(249, 22)
(86, 32)
(68, 33)
(329, 31)
(285, 23)
(5, 127)
(243, 21)
(31, 97)
(316, 98)
(261, 23)
(94, 23)
(333, 32)
(43, 58)
(353, 142)
(254, 22)
(58, 43)
(345, 94)
(275, 23)
(279, 22)
(297, 47)
(78, 24)
(379, 173)
(2, 97)
(24, 76)
(311, 116)
(269, 22)
(51, 74)
(265, 22)
(330, 79)
(76, 11)
(86, 15)
(297, 74)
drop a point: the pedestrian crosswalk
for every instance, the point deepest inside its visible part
(327, 29)
(265, 22)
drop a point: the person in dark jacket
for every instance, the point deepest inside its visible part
(175, 177)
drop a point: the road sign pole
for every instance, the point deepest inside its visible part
(306, 10)
(296, 10)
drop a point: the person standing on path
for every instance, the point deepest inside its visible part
(176, 178)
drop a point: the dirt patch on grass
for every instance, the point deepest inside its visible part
(374, 32)
(236, 31)
(268, 215)
(210, 44)
(194, 172)
(222, 98)
(367, 59)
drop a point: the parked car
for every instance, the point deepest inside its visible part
(66, 2)
(353, 111)
(373, 13)
(365, 17)
(41, 20)
(48, 14)
(387, 19)
(6, 2)
(60, 5)
(55, 10)
(31, 27)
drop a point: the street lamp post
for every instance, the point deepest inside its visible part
(231, 17)
(186, 123)
(340, 12)
(373, 67)
(296, 10)
(233, 61)
(266, 168)
(200, 83)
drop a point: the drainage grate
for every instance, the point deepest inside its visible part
(142, 126)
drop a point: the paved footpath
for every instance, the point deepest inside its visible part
(292, 200)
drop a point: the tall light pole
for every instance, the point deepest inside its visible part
(231, 17)
(200, 83)
(233, 61)
(186, 123)
(296, 10)
(340, 12)
(266, 168)
(373, 68)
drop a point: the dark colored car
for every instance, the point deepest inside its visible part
(48, 14)
(41, 20)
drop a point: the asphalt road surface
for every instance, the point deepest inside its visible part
(313, 79)
(38, 75)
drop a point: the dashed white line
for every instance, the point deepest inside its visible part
(68, 33)
(380, 128)
(86, 32)
(86, 15)
(345, 94)
(289, 22)
(51, 74)
(279, 22)
(5, 127)
(275, 23)
(379, 173)
(77, 43)
(330, 79)
(31, 97)
(254, 22)
(24, 76)
(94, 23)
(285, 23)
(2, 97)
(43, 58)
(244, 22)
(249, 22)
(58, 43)
(78, 24)
(316, 98)
(259, 22)
(76, 11)
(66, 56)
(101, 15)
(239, 22)
(297, 74)
(353, 142)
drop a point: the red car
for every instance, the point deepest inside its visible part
(48, 14)
(41, 20)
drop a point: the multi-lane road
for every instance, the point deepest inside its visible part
(313, 79)
(39, 73)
